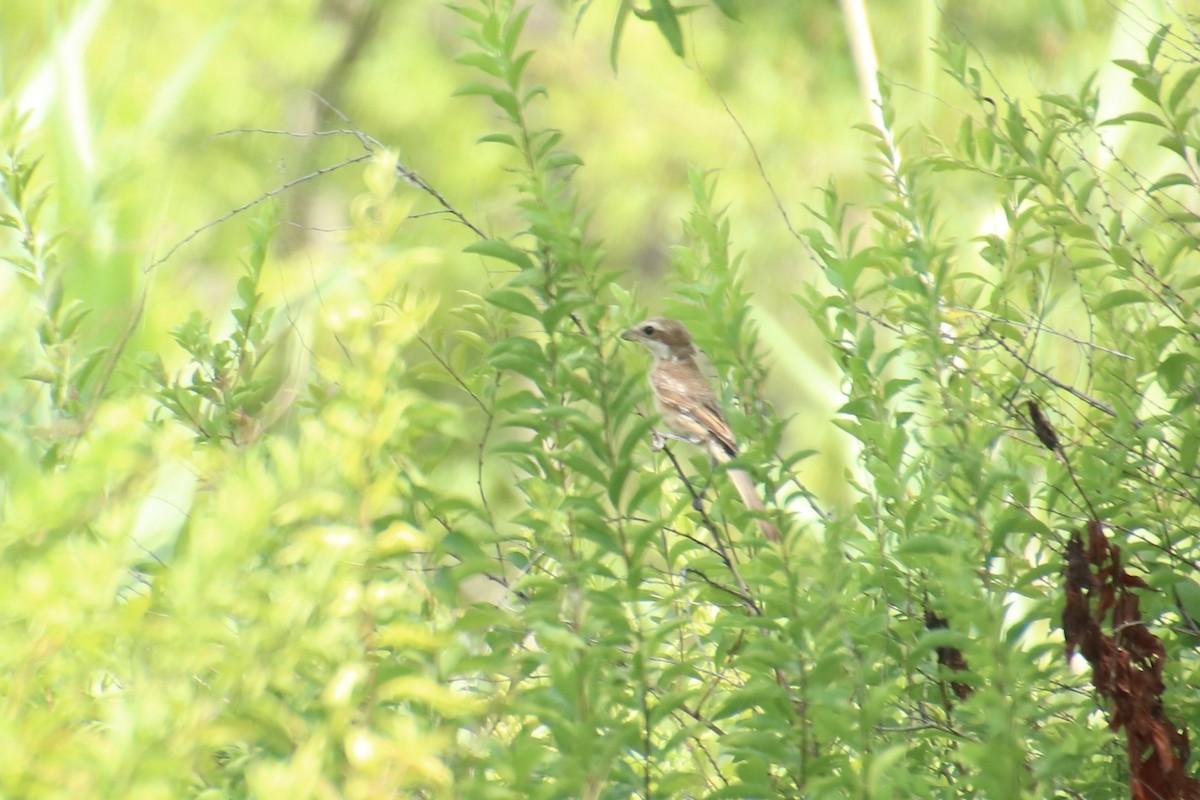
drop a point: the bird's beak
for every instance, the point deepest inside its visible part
(630, 334)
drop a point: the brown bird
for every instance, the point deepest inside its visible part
(687, 403)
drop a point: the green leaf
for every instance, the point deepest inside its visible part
(934, 638)
(1148, 87)
(512, 30)
(1136, 116)
(1160, 335)
(896, 385)
(70, 317)
(1084, 192)
(514, 301)
(916, 550)
(521, 355)
(561, 158)
(623, 10)
(502, 250)
(1189, 447)
(668, 23)
(1121, 297)
(1122, 257)
(246, 291)
(1014, 520)
(1182, 87)
(517, 69)
(473, 14)
(1188, 593)
(481, 89)
(1156, 42)
(1174, 179)
(1173, 370)
(503, 98)
(881, 770)
(1176, 143)
(497, 138)
(1136, 67)
(729, 8)
(583, 466)
(1090, 262)
(92, 360)
(482, 62)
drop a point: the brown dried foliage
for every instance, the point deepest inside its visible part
(949, 657)
(1042, 428)
(1127, 665)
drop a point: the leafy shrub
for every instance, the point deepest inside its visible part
(361, 543)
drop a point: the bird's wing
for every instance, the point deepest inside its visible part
(683, 393)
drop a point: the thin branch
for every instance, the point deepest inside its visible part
(703, 720)
(419, 182)
(698, 504)
(256, 201)
(1039, 327)
(745, 599)
(762, 170)
(296, 134)
(1091, 401)
(453, 374)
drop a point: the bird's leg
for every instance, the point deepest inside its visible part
(658, 439)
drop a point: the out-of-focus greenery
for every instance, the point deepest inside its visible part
(326, 475)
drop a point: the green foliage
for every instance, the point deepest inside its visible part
(59, 377)
(664, 14)
(222, 398)
(362, 537)
(942, 346)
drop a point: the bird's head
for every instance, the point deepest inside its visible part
(665, 338)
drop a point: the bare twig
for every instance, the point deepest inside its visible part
(453, 374)
(296, 134)
(256, 201)
(1027, 326)
(1091, 401)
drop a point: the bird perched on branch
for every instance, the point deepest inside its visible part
(687, 403)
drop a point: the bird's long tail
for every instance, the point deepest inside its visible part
(749, 493)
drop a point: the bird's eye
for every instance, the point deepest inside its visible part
(648, 330)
